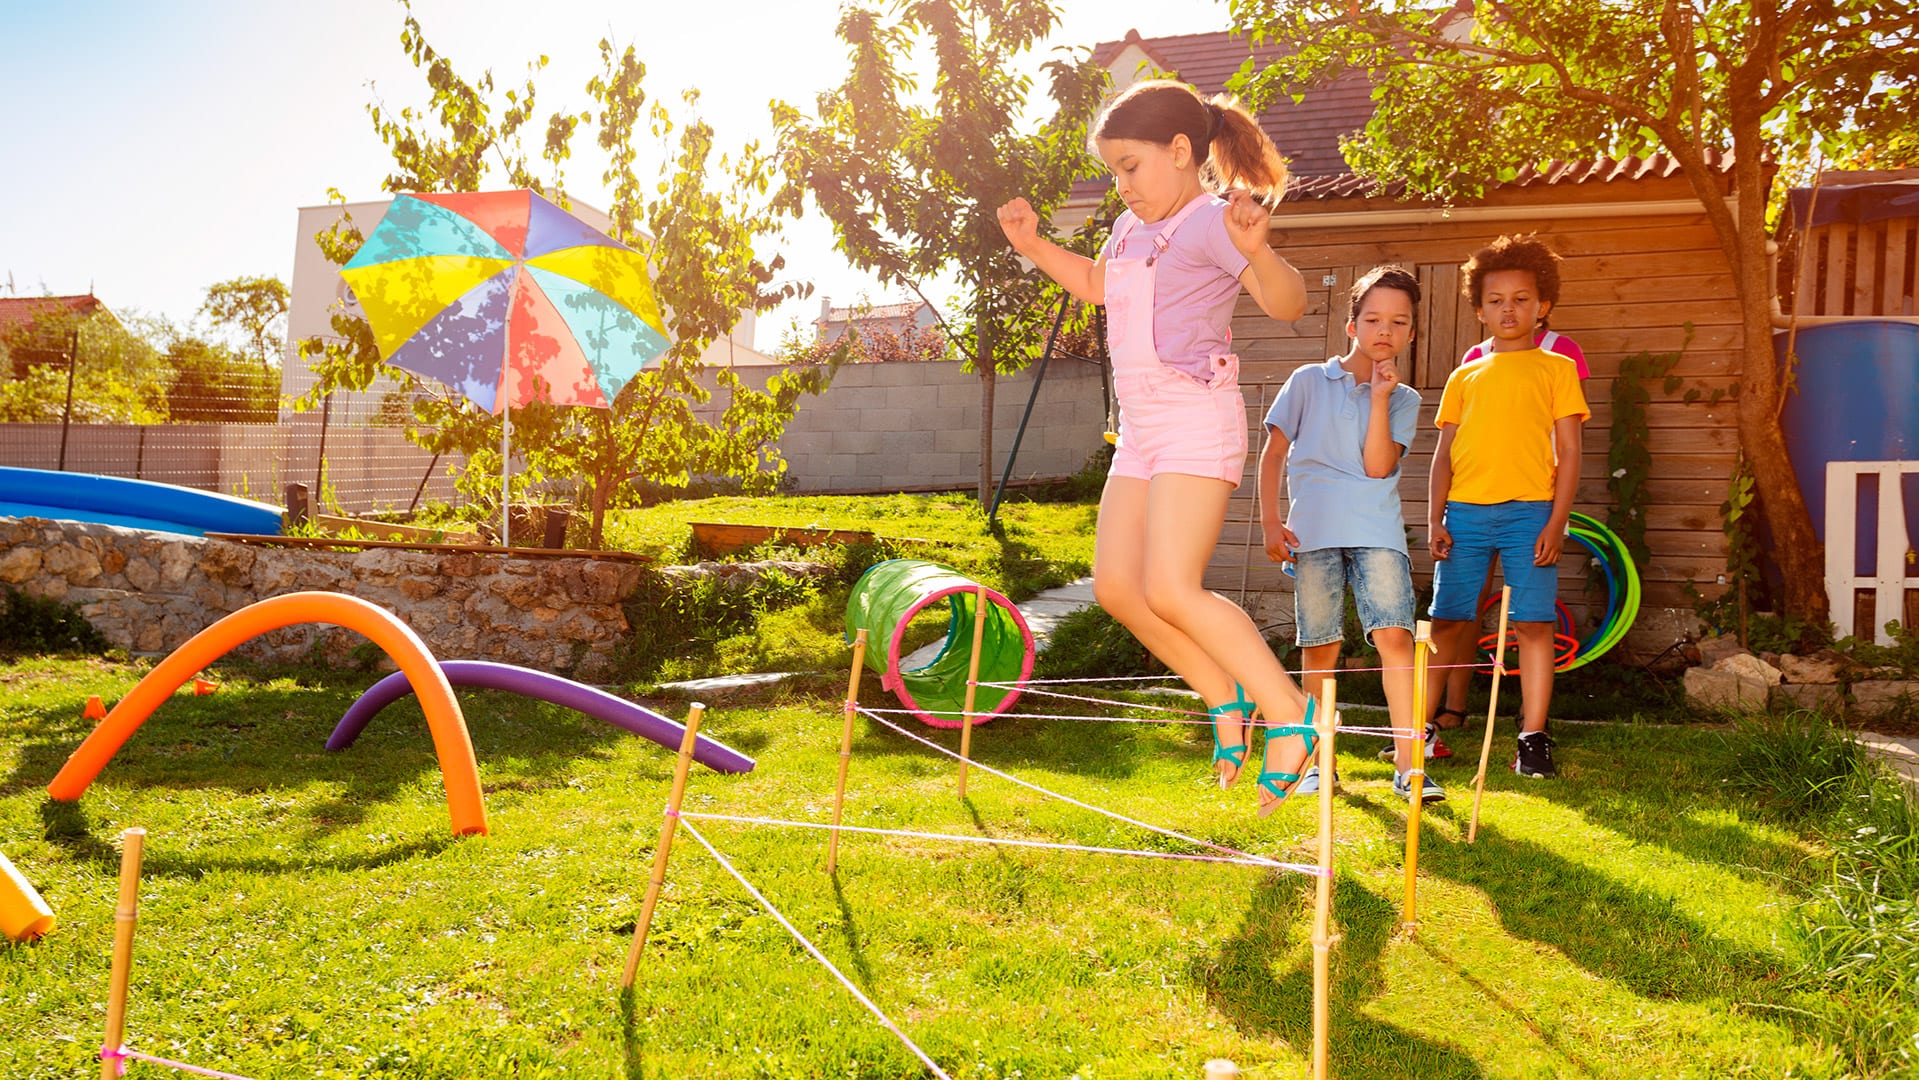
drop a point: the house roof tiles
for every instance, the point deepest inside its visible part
(21, 311)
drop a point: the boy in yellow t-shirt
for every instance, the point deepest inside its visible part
(1504, 476)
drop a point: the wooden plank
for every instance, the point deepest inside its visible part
(711, 538)
(1633, 290)
(1337, 283)
(1869, 243)
(1896, 284)
(1692, 362)
(1835, 269)
(1637, 266)
(1812, 253)
(1572, 316)
(1451, 322)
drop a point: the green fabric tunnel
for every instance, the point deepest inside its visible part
(884, 601)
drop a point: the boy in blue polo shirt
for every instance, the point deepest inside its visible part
(1338, 430)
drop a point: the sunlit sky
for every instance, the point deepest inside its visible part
(151, 149)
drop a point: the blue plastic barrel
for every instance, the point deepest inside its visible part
(1856, 399)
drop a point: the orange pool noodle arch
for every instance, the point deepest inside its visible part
(458, 769)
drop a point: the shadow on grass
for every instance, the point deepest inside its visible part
(1106, 751)
(1240, 981)
(850, 931)
(67, 827)
(632, 1043)
(1616, 932)
(252, 738)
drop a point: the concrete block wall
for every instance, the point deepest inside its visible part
(917, 424)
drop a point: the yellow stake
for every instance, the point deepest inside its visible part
(1416, 776)
(125, 916)
(972, 686)
(1323, 938)
(1492, 708)
(846, 748)
(665, 847)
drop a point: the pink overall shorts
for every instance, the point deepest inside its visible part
(1170, 422)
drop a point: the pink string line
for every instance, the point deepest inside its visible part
(1382, 732)
(119, 1058)
(1303, 868)
(811, 948)
(1169, 678)
(1235, 852)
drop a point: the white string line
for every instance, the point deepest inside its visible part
(1082, 805)
(811, 948)
(997, 841)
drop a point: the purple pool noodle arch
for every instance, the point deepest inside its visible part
(547, 687)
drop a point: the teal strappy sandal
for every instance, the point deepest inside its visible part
(1234, 754)
(1272, 781)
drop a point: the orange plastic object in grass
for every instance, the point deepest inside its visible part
(459, 771)
(201, 687)
(23, 915)
(95, 710)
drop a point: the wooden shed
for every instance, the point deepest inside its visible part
(1641, 265)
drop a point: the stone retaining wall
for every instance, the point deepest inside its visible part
(150, 592)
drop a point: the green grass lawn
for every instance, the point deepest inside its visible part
(1037, 545)
(308, 914)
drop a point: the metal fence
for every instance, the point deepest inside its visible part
(223, 431)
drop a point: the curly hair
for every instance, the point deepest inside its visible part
(1526, 252)
(1392, 276)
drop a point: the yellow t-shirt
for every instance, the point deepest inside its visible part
(1505, 405)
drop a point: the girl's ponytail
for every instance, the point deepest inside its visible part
(1227, 142)
(1241, 154)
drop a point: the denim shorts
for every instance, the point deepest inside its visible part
(1480, 531)
(1382, 584)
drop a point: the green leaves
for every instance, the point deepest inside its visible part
(698, 221)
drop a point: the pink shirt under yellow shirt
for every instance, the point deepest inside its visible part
(1505, 406)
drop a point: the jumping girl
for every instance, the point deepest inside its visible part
(1168, 277)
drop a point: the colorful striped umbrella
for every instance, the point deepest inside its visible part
(507, 299)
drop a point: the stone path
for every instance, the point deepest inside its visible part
(1042, 612)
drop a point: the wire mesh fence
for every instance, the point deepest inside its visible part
(222, 430)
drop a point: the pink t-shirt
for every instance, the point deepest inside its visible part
(1548, 340)
(1195, 285)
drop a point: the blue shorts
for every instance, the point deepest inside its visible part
(1382, 584)
(1480, 531)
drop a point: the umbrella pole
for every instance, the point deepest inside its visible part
(506, 469)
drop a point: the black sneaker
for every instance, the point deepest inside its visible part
(1535, 757)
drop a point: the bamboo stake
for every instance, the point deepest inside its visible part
(1416, 777)
(846, 748)
(665, 847)
(972, 686)
(125, 916)
(1492, 709)
(1323, 938)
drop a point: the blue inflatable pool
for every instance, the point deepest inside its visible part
(132, 504)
